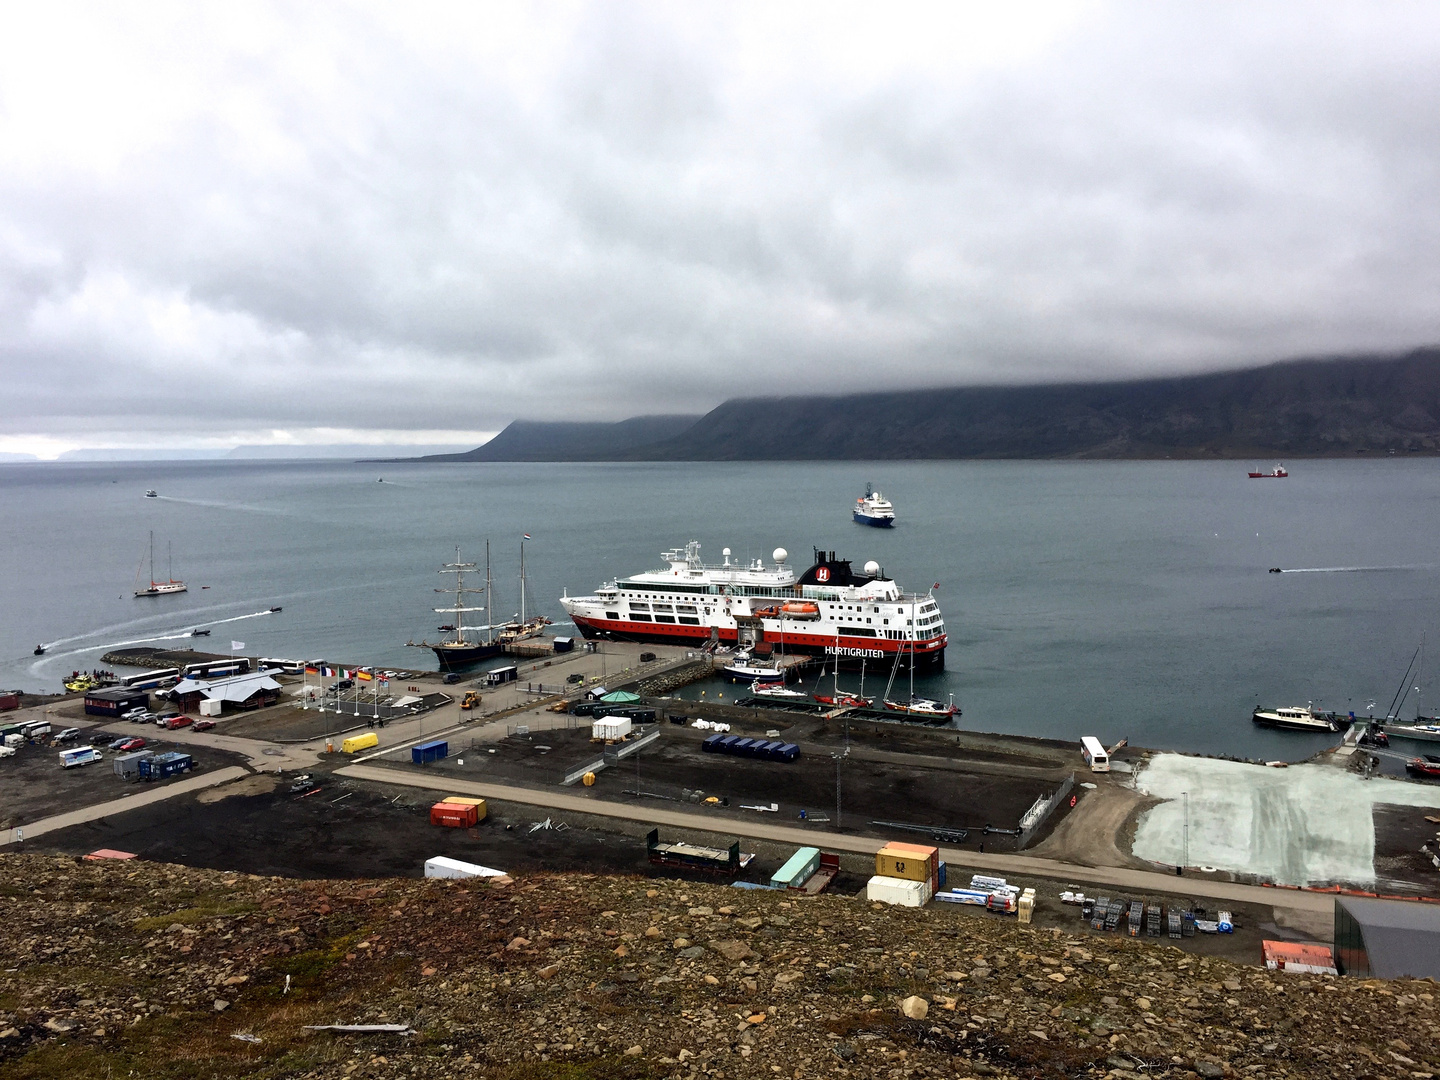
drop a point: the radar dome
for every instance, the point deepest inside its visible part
(725, 552)
(872, 569)
(779, 555)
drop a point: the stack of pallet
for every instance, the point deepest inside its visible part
(905, 874)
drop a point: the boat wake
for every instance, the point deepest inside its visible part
(183, 634)
(1349, 569)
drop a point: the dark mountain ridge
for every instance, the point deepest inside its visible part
(1300, 408)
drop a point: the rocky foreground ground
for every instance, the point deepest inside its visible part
(115, 969)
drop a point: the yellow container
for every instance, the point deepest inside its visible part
(902, 864)
(360, 742)
(466, 800)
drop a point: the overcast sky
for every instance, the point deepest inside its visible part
(325, 223)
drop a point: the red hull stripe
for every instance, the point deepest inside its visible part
(669, 632)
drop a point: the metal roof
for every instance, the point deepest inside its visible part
(235, 688)
(1401, 937)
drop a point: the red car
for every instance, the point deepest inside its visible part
(178, 722)
(202, 725)
(131, 744)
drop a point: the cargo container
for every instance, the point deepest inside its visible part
(902, 892)
(788, 752)
(712, 744)
(766, 750)
(502, 675)
(727, 744)
(79, 755)
(454, 815)
(442, 867)
(127, 766)
(564, 644)
(611, 728)
(9, 699)
(427, 752)
(161, 766)
(356, 743)
(909, 861)
(466, 800)
(797, 869)
(740, 746)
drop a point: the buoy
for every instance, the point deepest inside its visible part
(588, 779)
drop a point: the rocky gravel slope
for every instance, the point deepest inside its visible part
(128, 968)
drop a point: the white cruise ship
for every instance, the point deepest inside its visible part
(827, 611)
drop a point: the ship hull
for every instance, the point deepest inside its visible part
(875, 654)
(877, 522)
(455, 657)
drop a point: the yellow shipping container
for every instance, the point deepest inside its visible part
(466, 800)
(902, 864)
(360, 742)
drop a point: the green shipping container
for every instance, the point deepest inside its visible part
(797, 870)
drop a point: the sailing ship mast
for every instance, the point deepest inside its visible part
(459, 569)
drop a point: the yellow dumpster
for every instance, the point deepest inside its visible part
(466, 800)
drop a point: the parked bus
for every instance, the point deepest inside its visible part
(151, 680)
(79, 755)
(216, 669)
(289, 667)
(1094, 753)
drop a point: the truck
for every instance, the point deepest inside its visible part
(79, 755)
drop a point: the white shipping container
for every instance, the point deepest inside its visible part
(897, 891)
(611, 727)
(211, 708)
(442, 867)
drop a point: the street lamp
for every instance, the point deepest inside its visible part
(1185, 835)
(838, 759)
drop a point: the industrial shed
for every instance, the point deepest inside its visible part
(114, 702)
(242, 691)
(1387, 939)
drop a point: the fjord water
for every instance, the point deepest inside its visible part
(1107, 598)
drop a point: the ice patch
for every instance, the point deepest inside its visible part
(1305, 825)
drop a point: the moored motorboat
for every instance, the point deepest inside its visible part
(844, 701)
(1424, 730)
(776, 690)
(1300, 718)
(744, 668)
(1427, 767)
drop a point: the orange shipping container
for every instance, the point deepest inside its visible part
(910, 861)
(453, 815)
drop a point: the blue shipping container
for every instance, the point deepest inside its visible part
(712, 744)
(727, 743)
(788, 752)
(740, 746)
(159, 766)
(430, 751)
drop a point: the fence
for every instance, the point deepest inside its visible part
(547, 722)
(1038, 814)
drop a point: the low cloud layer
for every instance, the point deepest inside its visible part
(435, 219)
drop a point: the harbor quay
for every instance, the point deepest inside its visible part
(515, 733)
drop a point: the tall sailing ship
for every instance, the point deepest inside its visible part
(829, 610)
(458, 651)
(158, 588)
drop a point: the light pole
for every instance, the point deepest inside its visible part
(1185, 834)
(838, 759)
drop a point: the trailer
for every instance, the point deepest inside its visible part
(163, 766)
(694, 857)
(825, 873)
(442, 866)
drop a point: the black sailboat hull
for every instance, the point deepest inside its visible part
(454, 657)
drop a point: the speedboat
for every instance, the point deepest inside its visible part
(276, 608)
(1302, 718)
(152, 494)
(874, 509)
(1427, 766)
(199, 633)
(776, 689)
(39, 650)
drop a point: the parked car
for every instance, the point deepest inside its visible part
(130, 714)
(344, 684)
(126, 745)
(140, 716)
(118, 743)
(202, 725)
(70, 734)
(101, 738)
(178, 722)
(451, 678)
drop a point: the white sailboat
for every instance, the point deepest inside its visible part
(158, 588)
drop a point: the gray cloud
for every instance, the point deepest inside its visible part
(353, 219)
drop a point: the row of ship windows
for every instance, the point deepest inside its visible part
(682, 619)
(638, 605)
(851, 631)
(688, 608)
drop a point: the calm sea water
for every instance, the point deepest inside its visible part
(1107, 598)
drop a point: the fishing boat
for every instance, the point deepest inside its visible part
(1277, 473)
(744, 668)
(1298, 718)
(158, 588)
(459, 651)
(872, 508)
(859, 615)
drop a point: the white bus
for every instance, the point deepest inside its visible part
(151, 680)
(1094, 753)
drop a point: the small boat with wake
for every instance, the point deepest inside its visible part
(39, 650)
(199, 633)
(152, 494)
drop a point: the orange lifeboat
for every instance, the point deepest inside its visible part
(800, 609)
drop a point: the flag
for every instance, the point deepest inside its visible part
(311, 669)
(366, 676)
(328, 672)
(349, 673)
(935, 586)
(236, 646)
(527, 536)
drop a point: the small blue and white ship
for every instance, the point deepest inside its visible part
(874, 509)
